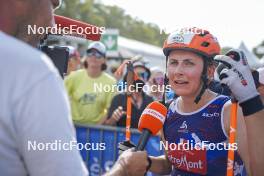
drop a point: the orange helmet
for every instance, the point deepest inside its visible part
(192, 39)
(198, 41)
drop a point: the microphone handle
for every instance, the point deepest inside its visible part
(143, 140)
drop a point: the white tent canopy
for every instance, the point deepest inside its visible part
(152, 54)
(129, 48)
(253, 61)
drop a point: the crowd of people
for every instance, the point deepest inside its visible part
(91, 105)
(37, 105)
(186, 68)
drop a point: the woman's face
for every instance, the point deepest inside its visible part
(184, 72)
(95, 60)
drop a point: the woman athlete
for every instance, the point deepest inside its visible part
(195, 133)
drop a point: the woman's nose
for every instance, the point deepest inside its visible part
(179, 69)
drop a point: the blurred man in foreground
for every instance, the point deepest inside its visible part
(34, 108)
(33, 103)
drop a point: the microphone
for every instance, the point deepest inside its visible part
(150, 122)
(81, 29)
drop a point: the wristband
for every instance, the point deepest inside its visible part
(251, 106)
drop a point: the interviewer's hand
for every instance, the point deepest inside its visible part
(133, 163)
(125, 145)
(130, 163)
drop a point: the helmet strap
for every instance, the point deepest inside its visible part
(204, 80)
(165, 83)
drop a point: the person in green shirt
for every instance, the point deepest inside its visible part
(91, 89)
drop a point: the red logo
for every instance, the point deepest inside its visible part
(244, 82)
(189, 160)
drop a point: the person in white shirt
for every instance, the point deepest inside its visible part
(36, 130)
(33, 103)
(33, 108)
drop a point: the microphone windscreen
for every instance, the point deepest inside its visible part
(84, 30)
(153, 117)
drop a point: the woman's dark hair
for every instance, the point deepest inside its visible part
(104, 66)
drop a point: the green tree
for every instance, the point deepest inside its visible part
(112, 17)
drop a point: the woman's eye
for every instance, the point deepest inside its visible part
(173, 62)
(189, 63)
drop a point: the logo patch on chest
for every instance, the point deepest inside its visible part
(189, 160)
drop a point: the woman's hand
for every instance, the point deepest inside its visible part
(237, 76)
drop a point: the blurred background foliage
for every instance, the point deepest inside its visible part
(96, 13)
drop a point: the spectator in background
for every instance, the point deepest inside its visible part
(156, 83)
(89, 105)
(117, 110)
(74, 62)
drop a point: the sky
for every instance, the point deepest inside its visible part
(231, 21)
